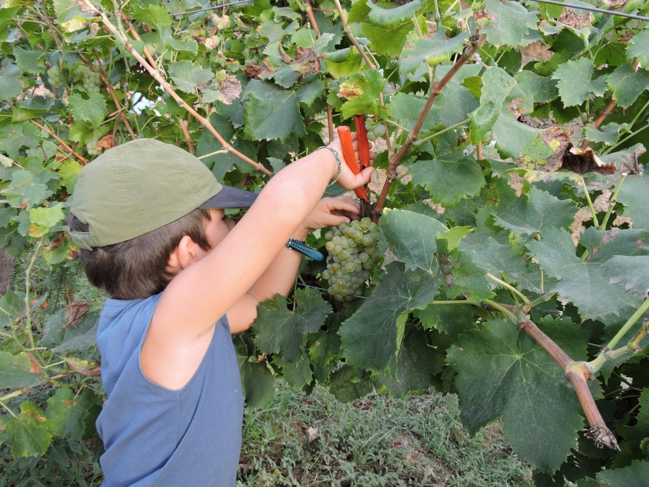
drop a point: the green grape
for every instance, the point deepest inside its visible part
(379, 130)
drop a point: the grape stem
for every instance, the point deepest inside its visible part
(608, 353)
(578, 375)
(613, 200)
(510, 287)
(435, 91)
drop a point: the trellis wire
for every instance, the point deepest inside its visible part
(594, 9)
(223, 5)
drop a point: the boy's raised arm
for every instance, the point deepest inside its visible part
(202, 293)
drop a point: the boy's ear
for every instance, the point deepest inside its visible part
(184, 255)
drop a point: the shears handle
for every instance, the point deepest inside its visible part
(345, 136)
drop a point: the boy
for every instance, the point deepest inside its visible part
(150, 223)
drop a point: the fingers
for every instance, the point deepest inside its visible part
(344, 203)
(365, 175)
(335, 220)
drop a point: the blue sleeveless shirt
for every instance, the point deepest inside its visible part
(154, 436)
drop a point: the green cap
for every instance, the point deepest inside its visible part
(142, 185)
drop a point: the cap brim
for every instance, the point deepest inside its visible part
(230, 197)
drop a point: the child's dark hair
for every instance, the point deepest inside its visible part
(137, 268)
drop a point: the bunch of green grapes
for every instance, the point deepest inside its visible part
(352, 253)
(56, 77)
(375, 132)
(90, 80)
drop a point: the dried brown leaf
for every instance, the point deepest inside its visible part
(573, 19)
(230, 89)
(76, 313)
(107, 142)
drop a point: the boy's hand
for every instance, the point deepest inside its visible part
(347, 178)
(332, 212)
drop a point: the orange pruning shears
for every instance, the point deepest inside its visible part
(363, 152)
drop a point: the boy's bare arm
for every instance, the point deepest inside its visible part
(203, 292)
(280, 275)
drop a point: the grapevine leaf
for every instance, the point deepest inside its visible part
(92, 110)
(504, 373)
(43, 219)
(603, 245)
(575, 83)
(271, 112)
(634, 195)
(388, 40)
(450, 107)
(66, 10)
(362, 93)
(506, 261)
(189, 45)
(296, 374)
(433, 51)
(389, 17)
(638, 48)
(275, 31)
(308, 93)
(28, 434)
(22, 114)
(455, 101)
(452, 319)
(325, 346)
(29, 61)
(24, 192)
(405, 109)
(541, 88)
(10, 83)
(257, 382)
(15, 136)
(66, 414)
(17, 371)
(633, 476)
(633, 271)
(411, 238)
(449, 177)
(462, 277)
(627, 84)
(496, 86)
(346, 384)
(359, 11)
(80, 337)
(583, 282)
(507, 23)
(640, 430)
(153, 15)
(278, 330)
(511, 135)
(609, 135)
(369, 337)
(344, 62)
(188, 76)
(417, 364)
(529, 215)
(222, 163)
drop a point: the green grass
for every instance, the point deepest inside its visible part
(375, 441)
